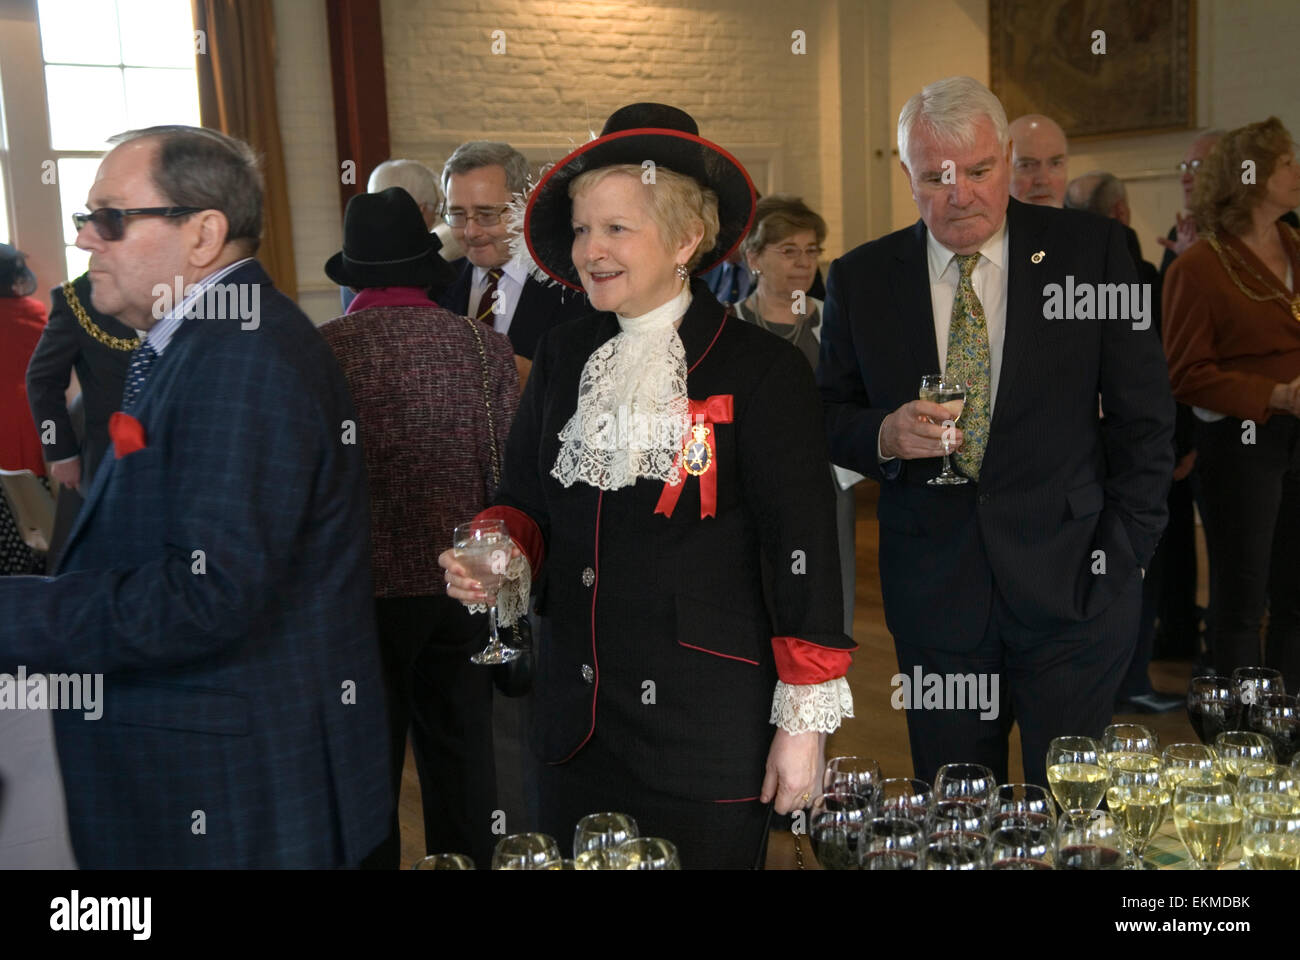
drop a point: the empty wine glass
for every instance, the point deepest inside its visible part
(525, 851)
(1137, 796)
(1128, 738)
(893, 843)
(966, 814)
(1015, 798)
(602, 831)
(956, 850)
(1270, 833)
(905, 797)
(858, 775)
(965, 781)
(1187, 761)
(1251, 683)
(483, 548)
(1277, 717)
(1236, 748)
(1088, 840)
(835, 827)
(1208, 820)
(1076, 774)
(444, 861)
(950, 395)
(1021, 846)
(1212, 706)
(650, 853)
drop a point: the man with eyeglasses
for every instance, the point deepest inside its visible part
(479, 180)
(218, 576)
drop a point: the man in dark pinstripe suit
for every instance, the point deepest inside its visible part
(1031, 570)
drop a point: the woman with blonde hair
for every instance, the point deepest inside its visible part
(668, 467)
(1232, 336)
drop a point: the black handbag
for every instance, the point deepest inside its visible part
(513, 679)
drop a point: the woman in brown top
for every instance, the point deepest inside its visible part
(1232, 336)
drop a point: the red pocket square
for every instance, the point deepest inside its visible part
(127, 433)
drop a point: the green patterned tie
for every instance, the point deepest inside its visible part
(968, 363)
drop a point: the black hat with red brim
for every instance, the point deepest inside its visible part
(632, 135)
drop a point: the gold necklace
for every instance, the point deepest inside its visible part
(1283, 297)
(91, 327)
(788, 331)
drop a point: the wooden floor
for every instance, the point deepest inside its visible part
(877, 730)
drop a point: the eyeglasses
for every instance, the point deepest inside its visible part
(484, 218)
(1184, 167)
(791, 253)
(110, 223)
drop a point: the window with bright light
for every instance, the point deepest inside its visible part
(110, 66)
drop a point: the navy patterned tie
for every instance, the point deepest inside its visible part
(142, 361)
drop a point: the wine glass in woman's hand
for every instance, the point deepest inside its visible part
(482, 550)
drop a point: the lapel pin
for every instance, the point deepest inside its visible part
(1038, 257)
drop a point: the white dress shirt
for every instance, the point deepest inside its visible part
(989, 278)
(511, 285)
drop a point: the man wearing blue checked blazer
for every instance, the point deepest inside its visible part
(218, 575)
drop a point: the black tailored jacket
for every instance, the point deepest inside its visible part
(672, 614)
(1056, 484)
(541, 307)
(101, 370)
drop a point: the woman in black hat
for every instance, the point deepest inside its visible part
(435, 394)
(666, 479)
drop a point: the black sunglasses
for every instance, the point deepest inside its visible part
(110, 223)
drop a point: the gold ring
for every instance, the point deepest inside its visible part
(807, 796)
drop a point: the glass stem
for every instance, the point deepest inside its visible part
(492, 621)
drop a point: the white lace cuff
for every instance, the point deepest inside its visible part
(512, 598)
(800, 708)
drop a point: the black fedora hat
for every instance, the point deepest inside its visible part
(16, 280)
(386, 244)
(633, 134)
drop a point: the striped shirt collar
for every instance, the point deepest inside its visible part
(161, 333)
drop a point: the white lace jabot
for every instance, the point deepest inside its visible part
(632, 409)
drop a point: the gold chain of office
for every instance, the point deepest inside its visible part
(94, 329)
(1291, 303)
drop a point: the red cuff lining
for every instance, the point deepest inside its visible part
(523, 530)
(802, 662)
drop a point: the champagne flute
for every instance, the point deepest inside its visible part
(1075, 773)
(965, 781)
(1212, 706)
(857, 775)
(1270, 833)
(950, 395)
(525, 851)
(1021, 846)
(1236, 748)
(650, 853)
(905, 797)
(1277, 717)
(1136, 797)
(1088, 840)
(1208, 820)
(1187, 761)
(893, 843)
(835, 827)
(1128, 738)
(483, 547)
(444, 861)
(602, 831)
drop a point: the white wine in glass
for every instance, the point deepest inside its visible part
(483, 548)
(1137, 796)
(1208, 820)
(950, 395)
(1076, 774)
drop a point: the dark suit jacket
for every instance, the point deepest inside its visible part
(679, 600)
(227, 689)
(541, 307)
(100, 369)
(1056, 482)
